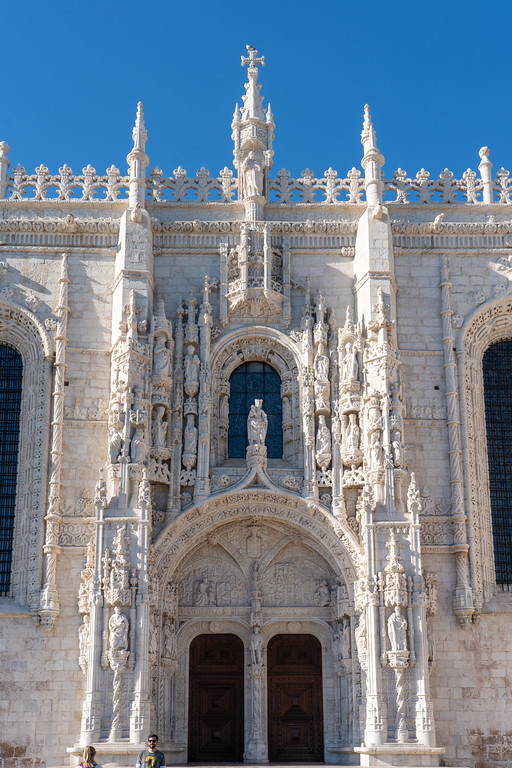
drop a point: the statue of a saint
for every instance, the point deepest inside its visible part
(257, 423)
(350, 365)
(375, 451)
(114, 444)
(360, 633)
(138, 448)
(397, 630)
(323, 441)
(191, 365)
(255, 645)
(398, 449)
(224, 407)
(253, 175)
(190, 436)
(83, 637)
(159, 428)
(160, 357)
(322, 366)
(353, 434)
(118, 629)
(170, 649)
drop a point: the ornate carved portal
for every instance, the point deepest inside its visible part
(216, 701)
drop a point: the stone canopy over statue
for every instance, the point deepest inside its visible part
(257, 424)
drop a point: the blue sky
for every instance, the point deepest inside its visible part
(437, 76)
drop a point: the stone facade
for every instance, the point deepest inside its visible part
(132, 300)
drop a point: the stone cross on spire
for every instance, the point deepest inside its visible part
(253, 60)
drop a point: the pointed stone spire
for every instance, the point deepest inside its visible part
(372, 161)
(138, 160)
(253, 134)
(4, 169)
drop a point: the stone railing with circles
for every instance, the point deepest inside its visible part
(283, 189)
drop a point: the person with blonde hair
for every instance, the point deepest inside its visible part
(88, 760)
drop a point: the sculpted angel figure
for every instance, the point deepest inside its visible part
(257, 424)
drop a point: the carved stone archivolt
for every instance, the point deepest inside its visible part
(488, 325)
(21, 330)
(265, 345)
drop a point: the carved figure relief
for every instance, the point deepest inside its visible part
(159, 428)
(252, 171)
(397, 630)
(257, 423)
(118, 631)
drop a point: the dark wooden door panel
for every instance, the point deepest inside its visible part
(295, 699)
(216, 699)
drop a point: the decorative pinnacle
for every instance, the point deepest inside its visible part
(139, 133)
(368, 132)
(253, 60)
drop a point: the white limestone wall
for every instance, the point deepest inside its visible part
(41, 682)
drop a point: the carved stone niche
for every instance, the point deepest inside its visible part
(255, 276)
(268, 346)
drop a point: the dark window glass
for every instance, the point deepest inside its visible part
(10, 404)
(250, 382)
(497, 372)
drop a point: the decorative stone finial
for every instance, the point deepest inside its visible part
(372, 163)
(138, 162)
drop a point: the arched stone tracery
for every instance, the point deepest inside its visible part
(263, 345)
(22, 331)
(488, 325)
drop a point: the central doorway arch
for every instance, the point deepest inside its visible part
(216, 699)
(295, 712)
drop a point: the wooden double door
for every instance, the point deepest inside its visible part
(294, 704)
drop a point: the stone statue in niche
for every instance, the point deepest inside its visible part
(398, 450)
(287, 409)
(323, 594)
(375, 451)
(190, 436)
(350, 367)
(345, 636)
(191, 365)
(353, 434)
(323, 443)
(161, 357)
(255, 646)
(252, 175)
(257, 424)
(137, 449)
(170, 641)
(115, 441)
(224, 407)
(83, 642)
(118, 631)
(397, 630)
(361, 637)
(159, 428)
(321, 365)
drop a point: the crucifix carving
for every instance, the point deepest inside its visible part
(253, 60)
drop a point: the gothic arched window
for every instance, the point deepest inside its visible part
(11, 369)
(497, 375)
(249, 382)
